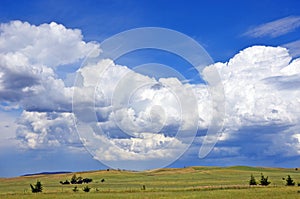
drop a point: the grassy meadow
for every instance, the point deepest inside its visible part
(191, 182)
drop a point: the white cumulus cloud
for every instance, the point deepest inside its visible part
(42, 130)
(48, 44)
(146, 118)
(29, 56)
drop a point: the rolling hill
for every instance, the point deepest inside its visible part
(190, 182)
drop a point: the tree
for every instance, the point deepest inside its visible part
(74, 179)
(79, 180)
(38, 187)
(289, 181)
(252, 180)
(264, 181)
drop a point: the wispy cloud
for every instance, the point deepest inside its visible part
(294, 48)
(275, 28)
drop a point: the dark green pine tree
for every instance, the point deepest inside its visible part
(38, 187)
(74, 179)
(289, 181)
(252, 180)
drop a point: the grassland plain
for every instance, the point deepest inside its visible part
(191, 182)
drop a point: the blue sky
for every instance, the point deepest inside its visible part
(217, 25)
(255, 48)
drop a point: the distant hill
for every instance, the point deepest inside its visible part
(47, 173)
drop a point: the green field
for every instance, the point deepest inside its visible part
(191, 182)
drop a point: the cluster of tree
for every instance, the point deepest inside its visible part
(264, 181)
(38, 187)
(77, 180)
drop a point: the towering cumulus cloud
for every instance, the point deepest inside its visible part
(261, 86)
(262, 95)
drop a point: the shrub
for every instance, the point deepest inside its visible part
(264, 181)
(143, 187)
(65, 182)
(289, 181)
(86, 189)
(87, 180)
(38, 187)
(252, 180)
(75, 189)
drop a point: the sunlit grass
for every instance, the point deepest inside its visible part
(192, 182)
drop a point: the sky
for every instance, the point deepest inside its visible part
(188, 83)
